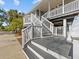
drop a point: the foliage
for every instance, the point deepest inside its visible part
(3, 16)
(15, 21)
(15, 24)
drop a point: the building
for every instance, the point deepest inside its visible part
(52, 19)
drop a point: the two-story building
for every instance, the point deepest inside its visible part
(51, 18)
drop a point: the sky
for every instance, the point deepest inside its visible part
(20, 5)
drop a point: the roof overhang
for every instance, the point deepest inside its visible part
(43, 5)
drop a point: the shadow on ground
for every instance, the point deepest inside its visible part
(19, 40)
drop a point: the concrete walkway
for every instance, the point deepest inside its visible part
(10, 47)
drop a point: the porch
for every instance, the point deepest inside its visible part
(49, 48)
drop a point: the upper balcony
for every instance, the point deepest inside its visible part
(65, 9)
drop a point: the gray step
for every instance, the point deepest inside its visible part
(42, 53)
(58, 46)
(30, 54)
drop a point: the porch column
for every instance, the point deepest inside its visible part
(56, 31)
(24, 21)
(64, 27)
(39, 14)
(52, 28)
(63, 6)
(48, 9)
(35, 12)
(41, 30)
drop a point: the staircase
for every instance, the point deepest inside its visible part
(39, 42)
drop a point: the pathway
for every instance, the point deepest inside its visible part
(10, 47)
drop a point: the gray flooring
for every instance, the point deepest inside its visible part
(56, 44)
(42, 53)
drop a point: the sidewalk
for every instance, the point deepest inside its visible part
(10, 47)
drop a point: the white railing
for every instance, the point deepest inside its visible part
(26, 35)
(37, 26)
(46, 14)
(35, 20)
(47, 24)
(56, 12)
(58, 31)
(35, 29)
(72, 6)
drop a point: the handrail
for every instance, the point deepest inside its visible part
(46, 27)
(46, 20)
(36, 19)
(37, 22)
(43, 25)
(50, 28)
(46, 14)
(26, 28)
(25, 36)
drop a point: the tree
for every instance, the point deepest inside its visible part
(12, 14)
(15, 24)
(15, 21)
(3, 17)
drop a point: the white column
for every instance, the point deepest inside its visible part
(62, 6)
(55, 30)
(39, 14)
(52, 28)
(49, 9)
(31, 18)
(35, 12)
(41, 30)
(24, 21)
(64, 27)
(31, 35)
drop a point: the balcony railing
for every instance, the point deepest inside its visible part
(70, 7)
(58, 31)
(56, 12)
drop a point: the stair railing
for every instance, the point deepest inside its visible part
(44, 23)
(28, 32)
(47, 24)
(26, 35)
(37, 24)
